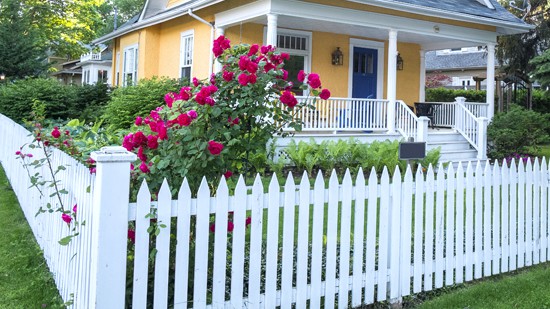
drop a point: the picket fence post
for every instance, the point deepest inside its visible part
(109, 227)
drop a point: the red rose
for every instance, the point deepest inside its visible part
(215, 148)
(301, 76)
(141, 155)
(169, 99)
(144, 168)
(55, 132)
(230, 226)
(228, 76)
(288, 99)
(325, 94)
(67, 218)
(152, 142)
(228, 174)
(132, 235)
(184, 120)
(313, 80)
(185, 93)
(243, 79)
(253, 49)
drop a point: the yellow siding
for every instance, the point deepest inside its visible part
(408, 80)
(149, 52)
(333, 77)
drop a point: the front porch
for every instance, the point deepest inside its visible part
(459, 127)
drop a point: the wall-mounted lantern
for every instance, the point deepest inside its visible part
(399, 62)
(337, 57)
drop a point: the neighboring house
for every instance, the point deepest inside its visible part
(96, 66)
(467, 67)
(68, 73)
(174, 38)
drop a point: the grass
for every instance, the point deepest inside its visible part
(526, 288)
(25, 281)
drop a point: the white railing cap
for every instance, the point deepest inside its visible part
(113, 154)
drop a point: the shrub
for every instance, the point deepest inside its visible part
(16, 99)
(449, 95)
(90, 101)
(516, 131)
(129, 102)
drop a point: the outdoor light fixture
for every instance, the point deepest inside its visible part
(2, 76)
(337, 57)
(399, 62)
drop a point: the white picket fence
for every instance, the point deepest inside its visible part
(333, 244)
(70, 265)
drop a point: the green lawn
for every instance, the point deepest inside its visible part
(526, 288)
(25, 281)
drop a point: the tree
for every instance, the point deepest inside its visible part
(437, 80)
(516, 51)
(541, 71)
(21, 54)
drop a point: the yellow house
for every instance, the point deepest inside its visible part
(371, 51)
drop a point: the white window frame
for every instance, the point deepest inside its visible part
(187, 52)
(116, 82)
(129, 68)
(305, 53)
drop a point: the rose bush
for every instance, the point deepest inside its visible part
(213, 126)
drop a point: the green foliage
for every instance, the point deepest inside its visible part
(516, 131)
(129, 102)
(26, 280)
(60, 101)
(449, 95)
(20, 53)
(541, 71)
(352, 154)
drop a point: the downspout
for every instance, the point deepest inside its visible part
(212, 30)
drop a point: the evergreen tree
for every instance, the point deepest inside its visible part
(21, 54)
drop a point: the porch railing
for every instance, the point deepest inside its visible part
(90, 56)
(445, 115)
(406, 122)
(472, 127)
(344, 114)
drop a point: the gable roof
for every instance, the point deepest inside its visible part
(155, 12)
(455, 61)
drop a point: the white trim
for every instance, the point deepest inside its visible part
(135, 47)
(186, 34)
(306, 54)
(379, 46)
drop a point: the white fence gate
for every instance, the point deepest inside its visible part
(331, 244)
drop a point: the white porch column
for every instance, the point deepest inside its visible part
(392, 79)
(491, 80)
(271, 30)
(482, 138)
(422, 92)
(217, 65)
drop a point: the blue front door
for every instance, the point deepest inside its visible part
(365, 69)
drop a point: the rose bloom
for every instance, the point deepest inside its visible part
(67, 218)
(56, 133)
(185, 93)
(184, 120)
(301, 76)
(215, 148)
(139, 121)
(325, 94)
(243, 79)
(132, 235)
(253, 49)
(152, 141)
(288, 99)
(228, 76)
(313, 80)
(144, 168)
(193, 114)
(228, 174)
(169, 99)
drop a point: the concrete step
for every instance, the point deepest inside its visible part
(458, 155)
(449, 146)
(444, 136)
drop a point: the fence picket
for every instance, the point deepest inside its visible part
(288, 243)
(497, 248)
(345, 233)
(529, 214)
(370, 242)
(418, 230)
(181, 276)
(395, 225)
(141, 249)
(202, 233)
(272, 246)
(469, 253)
(317, 241)
(221, 227)
(439, 226)
(429, 232)
(383, 234)
(303, 243)
(544, 210)
(478, 215)
(459, 259)
(521, 214)
(536, 212)
(162, 257)
(238, 247)
(505, 217)
(487, 225)
(406, 233)
(358, 239)
(450, 227)
(514, 224)
(256, 234)
(332, 240)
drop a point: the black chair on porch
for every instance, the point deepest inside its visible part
(426, 110)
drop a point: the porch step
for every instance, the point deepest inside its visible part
(454, 146)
